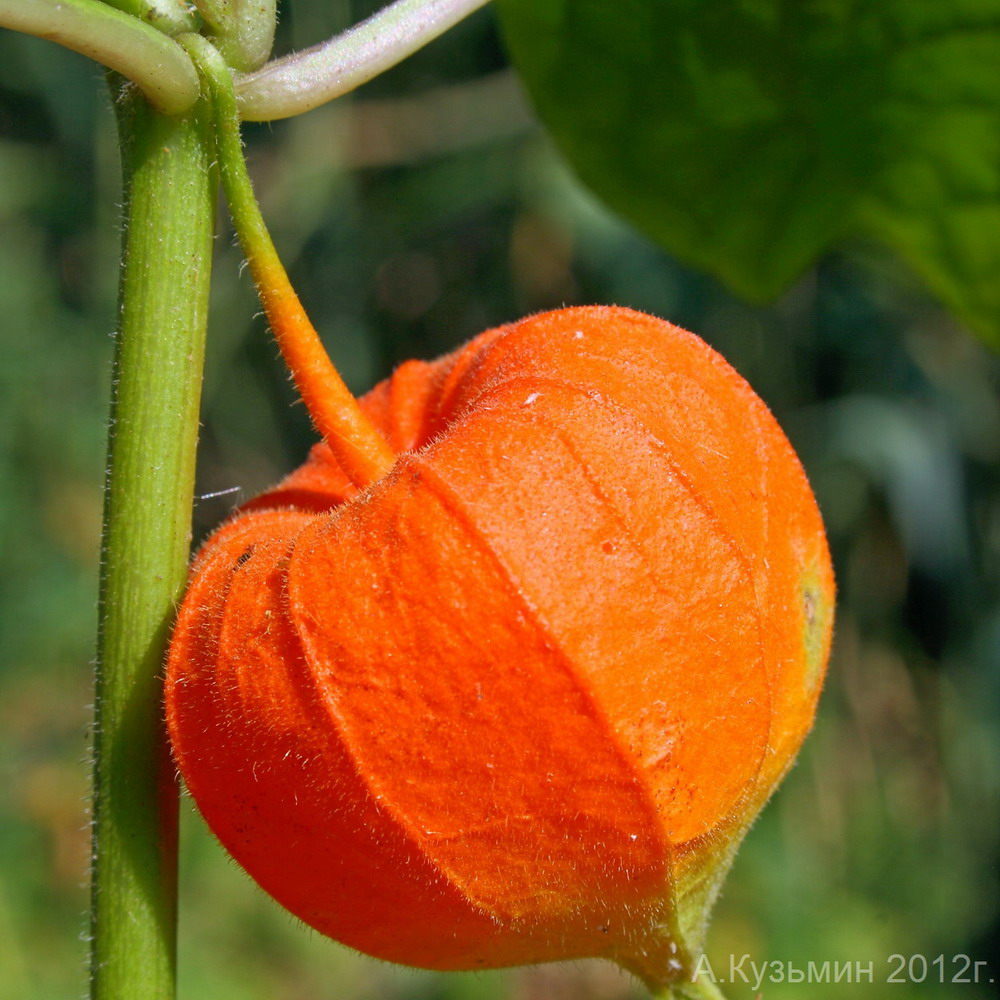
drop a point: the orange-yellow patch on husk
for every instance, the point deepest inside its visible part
(507, 703)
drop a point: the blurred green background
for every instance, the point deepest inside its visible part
(414, 214)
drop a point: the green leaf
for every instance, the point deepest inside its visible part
(747, 136)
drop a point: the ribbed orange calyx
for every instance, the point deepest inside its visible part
(517, 700)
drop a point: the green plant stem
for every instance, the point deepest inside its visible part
(159, 66)
(117, 35)
(307, 79)
(170, 188)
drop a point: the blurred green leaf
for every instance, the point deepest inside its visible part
(747, 136)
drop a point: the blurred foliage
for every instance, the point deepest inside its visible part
(413, 215)
(747, 136)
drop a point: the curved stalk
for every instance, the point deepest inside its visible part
(170, 206)
(159, 66)
(307, 79)
(362, 451)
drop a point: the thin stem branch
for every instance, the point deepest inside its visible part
(159, 66)
(307, 79)
(362, 451)
(170, 187)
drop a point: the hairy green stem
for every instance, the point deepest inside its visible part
(307, 79)
(159, 66)
(170, 187)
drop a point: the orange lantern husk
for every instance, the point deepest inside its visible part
(518, 699)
